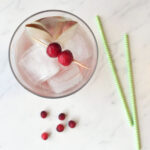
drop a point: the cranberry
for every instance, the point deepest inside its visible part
(53, 50)
(65, 58)
(43, 114)
(62, 116)
(60, 128)
(44, 136)
(72, 124)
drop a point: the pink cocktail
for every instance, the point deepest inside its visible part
(42, 74)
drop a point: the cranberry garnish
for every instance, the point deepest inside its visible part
(53, 50)
(65, 57)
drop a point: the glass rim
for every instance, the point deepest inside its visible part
(49, 97)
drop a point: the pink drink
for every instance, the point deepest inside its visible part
(44, 75)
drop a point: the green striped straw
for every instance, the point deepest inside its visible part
(114, 72)
(132, 92)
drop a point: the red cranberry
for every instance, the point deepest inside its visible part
(62, 116)
(43, 114)
(53, 50)
(65, 58)
(60, 128)
(45, 136)
(72, 124)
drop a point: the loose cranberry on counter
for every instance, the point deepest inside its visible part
(62, 116)
(45, 136)
(60, 128)
(72, 124)
(43, 114)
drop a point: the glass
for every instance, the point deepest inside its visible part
(18, 43)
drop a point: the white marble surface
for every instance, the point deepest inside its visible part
(102, 124)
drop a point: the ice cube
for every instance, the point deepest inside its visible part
(37, 65)
(79, 44)
(68, 78)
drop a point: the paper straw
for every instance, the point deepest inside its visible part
(132, 92)
(114, 72)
